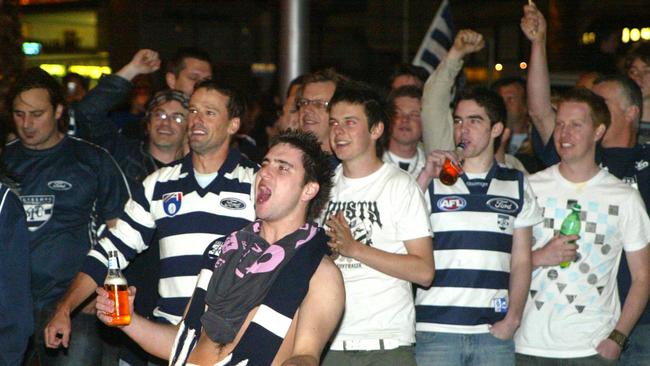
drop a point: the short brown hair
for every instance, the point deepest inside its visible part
(597, 106)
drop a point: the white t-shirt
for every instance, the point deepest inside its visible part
(569, 311)
(383, 210)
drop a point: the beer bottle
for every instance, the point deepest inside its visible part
(571, 226)
(450, 171)
(117, 288)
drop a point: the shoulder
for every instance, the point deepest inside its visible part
(171, 172)
(541, 176)
(327, 274)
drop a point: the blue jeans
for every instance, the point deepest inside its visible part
(638, 350)
(449, 349)
(85, 342)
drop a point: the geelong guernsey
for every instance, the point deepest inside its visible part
(185, 218)
(66, 191)
(473, 223)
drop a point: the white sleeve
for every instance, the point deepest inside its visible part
(635, 225)
(531, 213)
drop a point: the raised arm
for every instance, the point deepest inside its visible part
(319, 314)
(538, 85)
(437, 123)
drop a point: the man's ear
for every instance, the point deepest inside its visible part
(600, 131)
(496, 130)
(632, 113)
(58, 112)
(170, 79)
(377, 130)
(233, 125)
(309, 191)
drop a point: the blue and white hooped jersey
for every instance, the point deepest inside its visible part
(185, 219)
(473, 223)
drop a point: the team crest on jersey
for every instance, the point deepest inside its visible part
(451, 203)
(503, 221)
(503, 205)
(641, 164)
(38, 210)
(59, 185)
(172, 202)
(232, 203)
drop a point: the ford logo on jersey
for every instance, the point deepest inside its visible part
(451, 203)
(503, 205)
(172, 202)
(59, 185)
(233, 203)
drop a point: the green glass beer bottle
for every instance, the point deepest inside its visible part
(571, 226)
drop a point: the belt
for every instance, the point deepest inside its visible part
(367, 344)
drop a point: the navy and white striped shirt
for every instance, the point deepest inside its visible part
(185, 218)
(473, 223)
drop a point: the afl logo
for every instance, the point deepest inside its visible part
(452, 203)
(503, 205)
(59, 185)
(232, 203)
(172, 202)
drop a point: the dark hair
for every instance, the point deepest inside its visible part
(641, 51)
(355, 92)
(492, 102)
(177, 63)
(508, 81)
(629, 89)
(321, 76)
(408, 91)
(73, 76)
(597, 106)
(417, 72)
(298, 81)
(316, 164)
(236, 106)
(37, 78)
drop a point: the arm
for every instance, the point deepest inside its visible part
(556, 251)
(437, 123)
(91, 113)
(538, 84)
(155, 338)
(416, 266)
(520, 273)
(319, 315)
(635, 302)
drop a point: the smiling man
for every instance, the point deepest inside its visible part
(573, 315)
(68, 188)
(268, 293)
(482, 229)
(206, 195)
(378, 227)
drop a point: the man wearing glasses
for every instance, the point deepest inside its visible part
(638, 69)
(312, 101)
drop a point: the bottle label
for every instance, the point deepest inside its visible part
(112, 263)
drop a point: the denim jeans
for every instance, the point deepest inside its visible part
(638, 350)
(449, 349)
(85, 346)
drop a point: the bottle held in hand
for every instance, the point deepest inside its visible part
(117, 288)
(451, 171)
(571, 226)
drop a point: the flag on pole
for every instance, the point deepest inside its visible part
(438, 39)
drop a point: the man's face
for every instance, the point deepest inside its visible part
(514, 97)
(575, 136)
(279, 185)
(208, 122)
(290, 117)
(616, 103)
(405, 80)
(35, 119)
(406, 128)
(349, 135)
(195, 70)
(639, 71)
(314, 117)
(472, 128)
(167, 125)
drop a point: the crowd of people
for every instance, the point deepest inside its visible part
(337, 243)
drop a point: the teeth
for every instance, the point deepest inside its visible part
(566, 144)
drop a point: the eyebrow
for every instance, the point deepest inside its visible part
(280, 161)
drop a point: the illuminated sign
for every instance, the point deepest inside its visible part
(32, 48)
(635, 34)
(93, 72)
